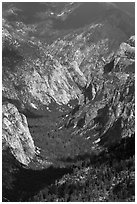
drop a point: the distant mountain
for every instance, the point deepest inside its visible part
(51, 20)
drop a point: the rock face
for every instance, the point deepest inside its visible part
(59, 72)
(76, 92)
(110, 98)
(16, 134)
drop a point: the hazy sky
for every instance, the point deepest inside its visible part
(34, 12)
(127, 6)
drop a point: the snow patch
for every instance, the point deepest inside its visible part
(33, 105)
(61, 14)
(96, 141)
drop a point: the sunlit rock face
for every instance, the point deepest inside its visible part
(16, 134)
(57, 72)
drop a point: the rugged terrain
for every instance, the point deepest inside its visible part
(68, 99)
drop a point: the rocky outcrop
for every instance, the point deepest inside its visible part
(16, 134)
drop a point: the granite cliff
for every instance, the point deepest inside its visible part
(16, 134)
